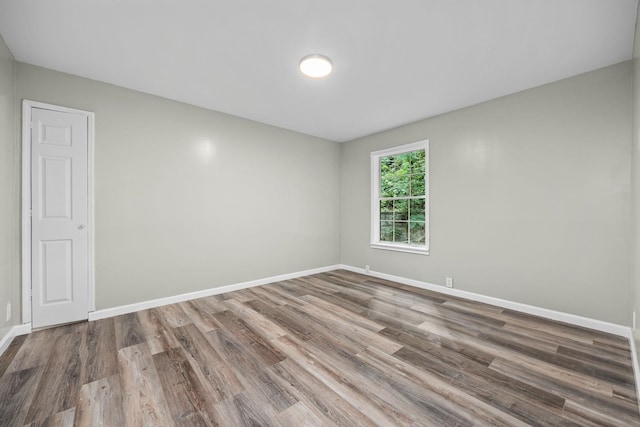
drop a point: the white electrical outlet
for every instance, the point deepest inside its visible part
(449, 282)
(367, 269)
(8, 311)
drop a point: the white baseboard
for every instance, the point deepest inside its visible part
(537, 311)
(130, 308)
(634, 360)
(13, 332)
(572, 319)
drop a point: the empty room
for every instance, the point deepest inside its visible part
(338, 213)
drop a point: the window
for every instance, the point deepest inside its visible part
(400, 198)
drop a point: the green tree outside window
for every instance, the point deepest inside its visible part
(402, 198)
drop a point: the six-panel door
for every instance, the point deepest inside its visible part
(59, 203)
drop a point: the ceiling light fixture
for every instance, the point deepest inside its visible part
(316, 66)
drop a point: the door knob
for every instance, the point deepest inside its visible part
(81, 227)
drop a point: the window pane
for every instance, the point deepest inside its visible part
(387, 176)
(402, 162)
(401, 210)
(417, 232)
(386, 231)
(416, 210)
(417, 185)
(402, 186)
(386, 165)
(386, 210)
(392, 164)
(417, 162)
(386, 187)
(401, 232)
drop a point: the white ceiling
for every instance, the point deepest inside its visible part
(394, 61)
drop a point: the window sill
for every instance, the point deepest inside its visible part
(401, 248)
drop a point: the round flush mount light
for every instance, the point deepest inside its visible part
(316, 66)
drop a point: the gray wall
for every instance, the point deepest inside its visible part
(9, 193)
(189, 199)
(530, 197)
(635, 182)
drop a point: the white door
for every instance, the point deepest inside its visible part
(59, 217)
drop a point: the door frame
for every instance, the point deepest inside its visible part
(27, 105)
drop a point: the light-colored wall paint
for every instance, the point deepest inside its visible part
(530, 193)
(9, 193)
(530, 197)
(189, 199)
(635, 183)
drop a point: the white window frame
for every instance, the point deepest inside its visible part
(375, 198)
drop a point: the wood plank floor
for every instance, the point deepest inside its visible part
(337, 348)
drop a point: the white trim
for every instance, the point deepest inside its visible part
(15, 331)
(375, 242)
(400, 248)
(91, 219)
(130, 308)
(572, 319)
(26, 212)
(413, 146)
(543, 312)
(634, 360)
(26, 202)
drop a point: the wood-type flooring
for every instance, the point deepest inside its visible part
(336, 348)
